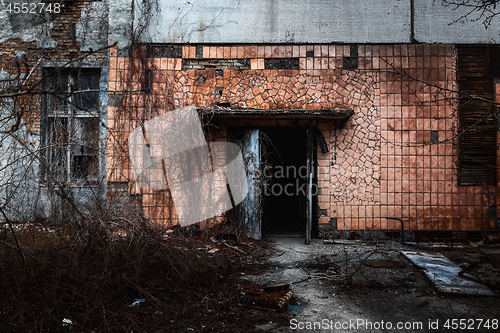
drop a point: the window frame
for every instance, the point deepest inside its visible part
(70, 111)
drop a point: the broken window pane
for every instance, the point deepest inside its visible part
(85, 137)
(57, 86)
(57, 148)
(86, 88)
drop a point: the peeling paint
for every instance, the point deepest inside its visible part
(27, 27)
(19, 54)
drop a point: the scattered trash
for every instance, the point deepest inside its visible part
(492, 239)
(67, 322)
(444, 274)
(326, 265)
(384, 263)
(295, 308)
(467, 268)
(277, 287)
(136, 302)
(213, 250)
(275, 297)
(227, 237)
(355, 235)
(190, 329)
(493, 253)
(234, 247)
(346, 242)
(476, 244)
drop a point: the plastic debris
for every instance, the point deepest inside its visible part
(295, 308)
(67, 322)
(137, 302)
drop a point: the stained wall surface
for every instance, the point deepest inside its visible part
(311, 21)
(395, 157)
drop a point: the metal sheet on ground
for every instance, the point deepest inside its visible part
(492, 252)
(444, 274)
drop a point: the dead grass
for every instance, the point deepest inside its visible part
(90, 274)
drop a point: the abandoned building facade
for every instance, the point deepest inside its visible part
(382, 109)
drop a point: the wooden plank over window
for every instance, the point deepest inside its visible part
(476, 68)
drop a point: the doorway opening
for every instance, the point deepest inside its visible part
(282, 198)
(285, 196)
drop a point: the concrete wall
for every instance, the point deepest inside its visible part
(310, 21)
(275, 21)
(434, 24)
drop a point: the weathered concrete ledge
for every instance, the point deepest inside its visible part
(227, 112)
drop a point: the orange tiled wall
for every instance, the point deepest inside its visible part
(395, 157)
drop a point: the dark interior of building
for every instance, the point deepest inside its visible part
(284, 199)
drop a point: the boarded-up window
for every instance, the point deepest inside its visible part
(477, 66)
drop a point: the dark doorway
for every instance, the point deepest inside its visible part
(285, 196)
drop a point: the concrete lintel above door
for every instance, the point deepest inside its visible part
(234, 113)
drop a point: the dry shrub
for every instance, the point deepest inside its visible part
(90, 273)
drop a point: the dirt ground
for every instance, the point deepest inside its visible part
(348, 296)
(196, 285)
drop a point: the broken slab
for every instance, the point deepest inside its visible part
(443, 274)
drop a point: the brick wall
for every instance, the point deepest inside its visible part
(27, 56)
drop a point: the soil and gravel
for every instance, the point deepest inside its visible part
(141, 281)
(339, 295)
